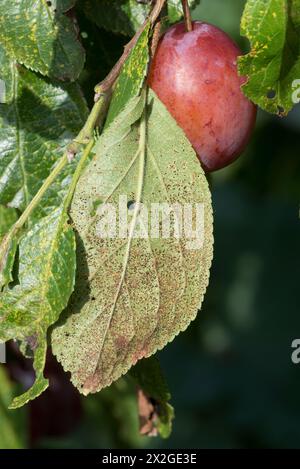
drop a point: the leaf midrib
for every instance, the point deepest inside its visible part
(142, 153)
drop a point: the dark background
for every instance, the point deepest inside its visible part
(231, 376)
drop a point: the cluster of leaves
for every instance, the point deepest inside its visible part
(111, 302)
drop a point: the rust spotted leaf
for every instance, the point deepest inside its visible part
(138, 287)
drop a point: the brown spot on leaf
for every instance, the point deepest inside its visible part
(121, 342)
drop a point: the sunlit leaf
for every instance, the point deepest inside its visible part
(42, 36)
(132, 76)
(273, 63)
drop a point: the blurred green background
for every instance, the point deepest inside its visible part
(231, 376)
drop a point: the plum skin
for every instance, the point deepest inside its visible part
(195, 75)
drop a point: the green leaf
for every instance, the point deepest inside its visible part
(46, 280)
(273, 64)
(149, 377)
(8, 216)
(126, 16)
(133, 295)
(42, 36)
(175, 9)
(37, 121)
(8, 246)
(119, 16)
(12, 428)
(132, 77)
(8, 249)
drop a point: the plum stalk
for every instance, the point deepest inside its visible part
(187, 16)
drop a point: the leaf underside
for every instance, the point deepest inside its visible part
(132, 295)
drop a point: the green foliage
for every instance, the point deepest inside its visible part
(131, 78)
(126, 16)
(8, 216)
(119, 16)
(12, 428)
(273, 64)
(42, 36)
(175, 9)
(46, 280)
(37, 120)
(8, 249)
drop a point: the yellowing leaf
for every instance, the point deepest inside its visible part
(132, 76)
